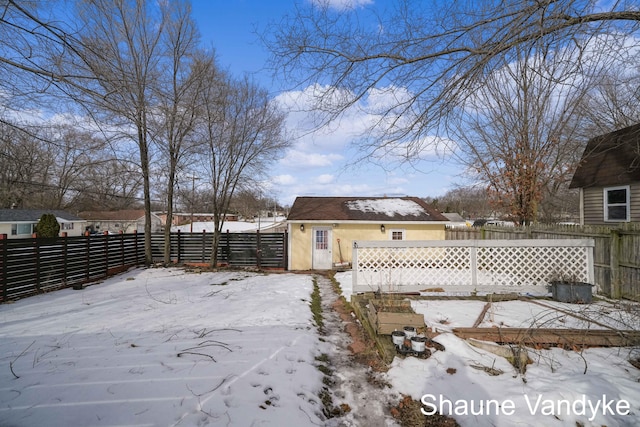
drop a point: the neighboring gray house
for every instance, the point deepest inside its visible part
(20, 223)
(608, 177)
(125, 221)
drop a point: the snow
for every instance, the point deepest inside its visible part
(162, 347)
(390, 207)
(165, 346)
(264, 224)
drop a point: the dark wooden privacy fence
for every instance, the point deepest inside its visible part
(34, 265)
(261, 250)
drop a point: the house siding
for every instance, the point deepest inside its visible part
(300, 256)
(593, 205)
(78, 229)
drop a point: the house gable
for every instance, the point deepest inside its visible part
(608, 177)
(609, 160)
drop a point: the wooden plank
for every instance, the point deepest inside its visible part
(385, 322)
(482, 314)
(554, 337)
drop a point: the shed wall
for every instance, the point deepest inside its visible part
(300, 256)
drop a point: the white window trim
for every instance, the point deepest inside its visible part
(397, 230)
(627, 204)
(31, 225)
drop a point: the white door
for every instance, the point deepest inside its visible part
(321, 257)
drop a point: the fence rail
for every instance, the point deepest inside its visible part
(407, 266)
(34, 265)
(616, 250)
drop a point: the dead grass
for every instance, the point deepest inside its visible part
(408, 414)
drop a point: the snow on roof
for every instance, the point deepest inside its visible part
(390, 207)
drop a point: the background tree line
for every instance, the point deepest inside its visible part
(137, 106)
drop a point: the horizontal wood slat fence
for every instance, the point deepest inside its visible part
(35, 265)
(616, 252)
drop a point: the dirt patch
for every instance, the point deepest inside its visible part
(362, 346)
(409, 415)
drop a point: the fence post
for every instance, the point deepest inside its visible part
(179, 246)
(64, 257)
(87, 252)
(258, 250)
(354, 267)
(122, 259)
(204, 244)
(285, 250)
(106, 254)
(614, 263)
(473, 253)
(36, 250)
(591, 263)
(3, 267)
(135, 245)
(228, 251)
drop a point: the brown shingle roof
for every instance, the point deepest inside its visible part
(610, 159)
(383, 209)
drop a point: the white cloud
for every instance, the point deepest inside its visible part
(325, 179)
(319, 156)
(285, 179)
(299, 159)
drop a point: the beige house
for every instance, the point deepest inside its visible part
(21, 223)
(322, 229)
(125, 221)
(608, 177)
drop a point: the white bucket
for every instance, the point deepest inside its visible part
(410, 331)
(418, 344)
(397, 337)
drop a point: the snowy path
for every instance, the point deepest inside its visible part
(353, 383)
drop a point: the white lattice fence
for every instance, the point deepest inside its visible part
(406, 266)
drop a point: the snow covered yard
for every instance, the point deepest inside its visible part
(594, 387)
(162, 347)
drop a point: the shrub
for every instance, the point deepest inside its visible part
(48, 226)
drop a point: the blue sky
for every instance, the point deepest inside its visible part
(318, 164)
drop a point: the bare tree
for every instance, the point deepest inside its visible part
(614, 102)
(516, 130)
(110, 184)
(242, 130)
(24, 158)
(470, 202)
(177, 96)
(119, 52)
(428, 57)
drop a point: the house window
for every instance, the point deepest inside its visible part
(322, 239)
(19, 229)
(616, 204)
(396, 234)
(66, 226)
